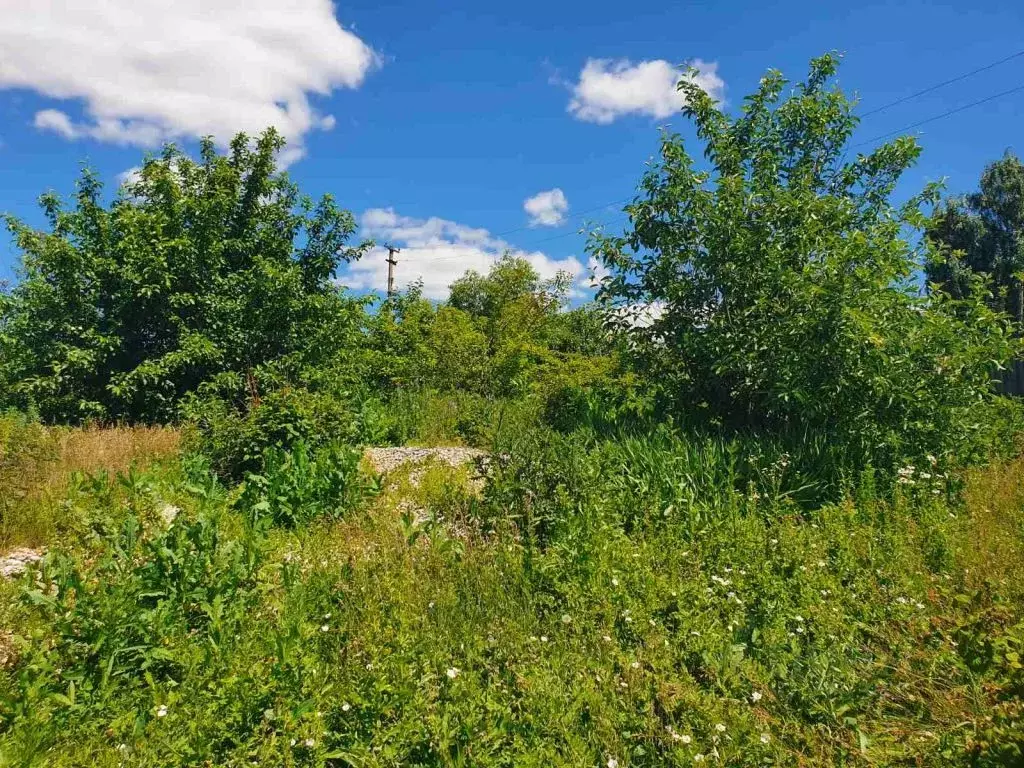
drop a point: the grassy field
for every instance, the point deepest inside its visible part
(590, 613)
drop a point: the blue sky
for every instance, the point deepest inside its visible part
(435, 124)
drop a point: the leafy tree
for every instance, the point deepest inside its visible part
(511, 301)
(196, 270)
(773, 289)
(983, 232)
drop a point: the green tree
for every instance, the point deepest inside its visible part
(196, 270)
(773, 289)
(983, 233)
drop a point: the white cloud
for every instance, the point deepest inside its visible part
(439, 251)
(56, 121)
(547, 209)
(596, 272)
(610, 88)
(129, 176)
(147, 71)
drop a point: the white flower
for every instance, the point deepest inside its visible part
(720, 727)
(755, 696)
(566, 618)
(543, 638)
(686, 738)
(919, 606)
(161, 711)
(765, 738)
(325, 628)
(799, 619)
(309, 743)
(606, 638)
(346, 707)
(635, 665)
(453, 672)
(615, 582)
(612, 763)
(698, 758)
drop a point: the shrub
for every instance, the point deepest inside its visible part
(196, 268)
(301, 485)
(236, 438)
(776, 292)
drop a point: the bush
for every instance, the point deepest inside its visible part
(776, 291)
(301, 485)
(236, 439)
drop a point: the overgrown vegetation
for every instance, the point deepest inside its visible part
(760, 504)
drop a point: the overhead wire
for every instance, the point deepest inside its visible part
(943, 84)
(882, 108)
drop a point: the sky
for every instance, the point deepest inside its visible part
(459, 130)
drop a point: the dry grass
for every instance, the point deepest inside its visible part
(994, 499)
(37, 463)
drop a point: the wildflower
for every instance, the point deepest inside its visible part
(325, 627)
(309, 743)
(799, 630)
(931, 459)
(452, 673)
(822, 564)
(606, 638)
(698, 758)
(720, 727)
(635, 665)
(919, 606)
(615, 582)
(612, 763)
(161, 711)
(755, 696)
(798, 619)
(543, 638)
(685, 738)
(566, 618)
(346, 707)
(765, 738)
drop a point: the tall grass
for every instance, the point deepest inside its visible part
(38, 464)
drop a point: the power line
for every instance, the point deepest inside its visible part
(943, 84)
(933, 118)
(882, 108)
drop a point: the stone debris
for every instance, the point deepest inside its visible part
(385, 460)
(15, 562)
(168, 512)
(8, 653)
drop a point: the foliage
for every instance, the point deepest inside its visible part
(774, 291)
(983, 233)
(300, 485)
(236, 438)
(196, 268)
(850, 636)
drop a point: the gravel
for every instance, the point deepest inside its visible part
(385, 460)
(15, 562)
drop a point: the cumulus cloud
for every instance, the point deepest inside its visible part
(438, 251)
(147, 71)
(547, 209)
(611, 88)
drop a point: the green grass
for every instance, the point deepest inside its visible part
(880, 632)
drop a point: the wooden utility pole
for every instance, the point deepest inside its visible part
(392, 263)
